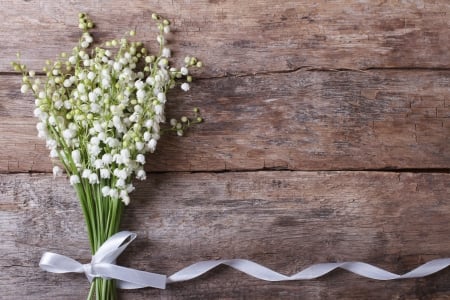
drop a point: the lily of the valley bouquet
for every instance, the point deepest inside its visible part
(100, 110)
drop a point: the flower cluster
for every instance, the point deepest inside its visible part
(100, 108)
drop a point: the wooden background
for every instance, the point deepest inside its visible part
(326, 139)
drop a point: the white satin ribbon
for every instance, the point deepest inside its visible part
(103, 265)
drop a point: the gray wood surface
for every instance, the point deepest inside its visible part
(242, 37)
(350, 99)
(284, 220)
(305, 120)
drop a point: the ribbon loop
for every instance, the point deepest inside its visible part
(103, 264)
(57, 263)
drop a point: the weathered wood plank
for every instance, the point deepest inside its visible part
(285, 220)
(246, 36)
(305, 120)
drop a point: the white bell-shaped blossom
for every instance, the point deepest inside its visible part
(100, 112)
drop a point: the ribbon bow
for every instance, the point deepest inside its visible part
(103, 265)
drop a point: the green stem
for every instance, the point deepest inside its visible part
(91, 291)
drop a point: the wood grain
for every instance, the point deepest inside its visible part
(304, 120)
(284, 220)
(332, 92)
(243, 37)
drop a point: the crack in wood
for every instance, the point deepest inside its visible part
(287, 71)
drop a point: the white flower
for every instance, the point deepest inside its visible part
(162, 64)
(88, 38)
(184, 71)
(105, 173)
(130, 188)
(81, 88)
(102, 136)
(123, 61)
(141, 175)
(112, 142)
(98, 91)
(152, 145)
(150, 80)
(116, 119)
(58, 104)
(97, 126)
(68, 134)
(86, 173)
(160, 39)
(37, 112)
(147, 136)
(94, 140)
(120, 183)
(52, 120)
(74, 179)
(24, 88)
(139, 84)
(72, 126)
(138, 109)
(93, 178)
(43, 134)
(125, 153)
(139, 146)
(156, 131)
(165, 52)
(40, 126)
(105, 83)
(140, 94)
(117, 66)
(166, 29)
(67, 104)
(159, 109)
(105, 191)
(148, 123)
(107, 158)
(133, 118)
(98, 163)
(120, 173)
(73, 60)
(118, 159)
(161, 97)
(54, 153)
(57, 171)
(124, 197)
(113, 193)
(51, 143)
(95, 108)
(76, 156)
(92, 96)
(185, 86)
(140, 158)
(93, 149)
(91, 76)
